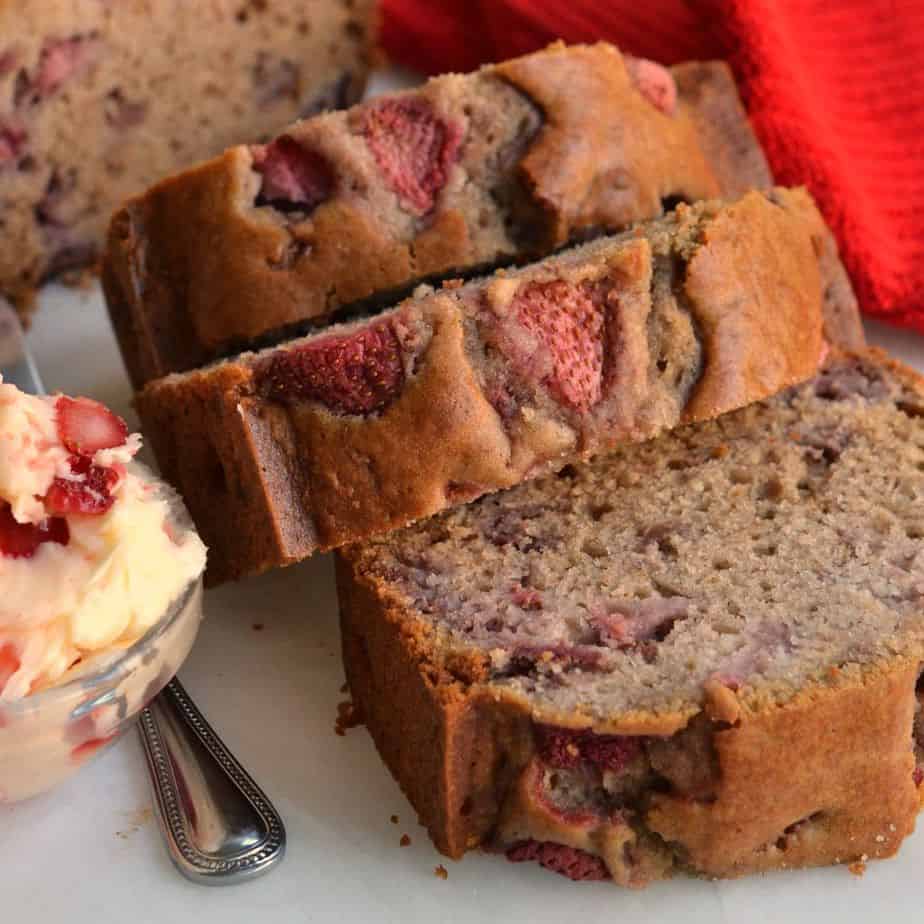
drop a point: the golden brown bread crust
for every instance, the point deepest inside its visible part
(193, 268)
(268, 483)
(825, 776)
(767, 285)
(836, 758)
(426, 730)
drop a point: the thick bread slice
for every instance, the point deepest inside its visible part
(696, 654)
(100, 99)
(466, 172)
(472, 388)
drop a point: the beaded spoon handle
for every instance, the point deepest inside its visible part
(218, 824)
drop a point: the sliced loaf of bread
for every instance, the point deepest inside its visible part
(462, 391)
(463, 173)
(696, 654)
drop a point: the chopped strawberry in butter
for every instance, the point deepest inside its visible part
(89, 557)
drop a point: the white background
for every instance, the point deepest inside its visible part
(91, 851)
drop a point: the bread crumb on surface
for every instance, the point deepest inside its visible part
(858, 867)
(83, 278)
(405, 840)
(136, 820)
(346, 717)
(440, 872)
(394, 819)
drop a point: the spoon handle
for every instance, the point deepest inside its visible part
(219, 826)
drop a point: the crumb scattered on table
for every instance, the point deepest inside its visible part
(258, 627)
(82, 278)
(405, 840)
(394, 819)
(346, 718)
(440, 872)
(858, 867)
(136, 820)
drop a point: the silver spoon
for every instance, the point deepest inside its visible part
(219, 826)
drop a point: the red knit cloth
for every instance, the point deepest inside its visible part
(835, 89)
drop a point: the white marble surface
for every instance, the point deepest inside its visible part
(91, 852)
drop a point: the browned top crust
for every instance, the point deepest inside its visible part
(511, 161)
(473, 388)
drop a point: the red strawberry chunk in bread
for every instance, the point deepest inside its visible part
(352, 374)
(21, 540)
(568, 320)
(568, 861)
(566, 748)
(654, 82)
(559, 747)
(294, 178)
(413, 147)
(526, 598)
(9, 58)
(9, 664)
(633, 621)
(611, 752)
(13, 138)
(88, 492)
(60, 60)
(85, 426)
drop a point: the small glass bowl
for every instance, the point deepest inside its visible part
(47, 736)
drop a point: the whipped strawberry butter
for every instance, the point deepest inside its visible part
(90, 556)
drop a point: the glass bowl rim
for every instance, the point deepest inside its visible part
(115, 663)
(115, 667)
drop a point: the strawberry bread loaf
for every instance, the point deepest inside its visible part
(463, 173)
(699, 654)
(475, 387)
(100, 99)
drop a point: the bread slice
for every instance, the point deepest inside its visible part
(463, 173)
(698, 654)
(100, 99)
(472, 388)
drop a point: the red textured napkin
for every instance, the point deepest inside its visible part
(835, 89)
